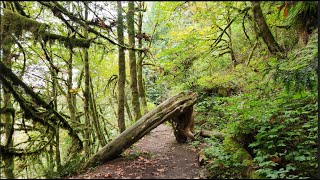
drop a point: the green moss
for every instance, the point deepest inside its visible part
(236, 149)
(16, 23)
(6, 44)
(255, 175)
(42, 29)
(73, 42)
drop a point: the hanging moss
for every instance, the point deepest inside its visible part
(73, 42)
(6, 44)
(12, 22)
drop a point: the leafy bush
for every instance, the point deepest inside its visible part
(286, 147)
(280, 132)
(300, 71)
(227, 160)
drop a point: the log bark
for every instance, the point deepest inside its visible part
(167, 110)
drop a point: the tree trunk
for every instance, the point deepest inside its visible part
(122, 70)
(8, 159)
(54, 99)
(95, 117)
(70, 95)
(264, 29)
(112, 106)
(167, 110)
(141, 90)
(232, 54)
(126, 104)
(87, 132)
(133, 68)
(8, 118)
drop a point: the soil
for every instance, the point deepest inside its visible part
(156, 156)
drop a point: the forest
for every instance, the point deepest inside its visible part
(82, 82)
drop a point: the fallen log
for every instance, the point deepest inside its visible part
(206, 133)
(167, 110)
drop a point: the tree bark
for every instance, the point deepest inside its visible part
(267, 36)
(232, 54)
(8, 159)
(54, 99)
(95, 117)
(132, 57)
(167, 110)
(126, 104)
(86, 93)
(141, 90)
(122, 70)
(70, 96)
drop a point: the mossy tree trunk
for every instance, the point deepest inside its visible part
(122, 70)
(141, 89)
(232, 54)
(71, 98)
(126, 104)
(266, 34)
(8, 159)
(87, 131)
(95, 117)
(167, 110)
(132, 60)
(54, 101)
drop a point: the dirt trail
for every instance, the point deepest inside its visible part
(155, 156)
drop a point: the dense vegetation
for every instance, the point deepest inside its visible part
(75, 74)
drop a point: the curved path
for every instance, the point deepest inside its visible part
(155, 156)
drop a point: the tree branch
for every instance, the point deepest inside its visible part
(29, 109)
(58, 8)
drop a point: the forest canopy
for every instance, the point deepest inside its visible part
(74, 75)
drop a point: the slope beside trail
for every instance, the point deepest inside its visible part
(156, 156)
